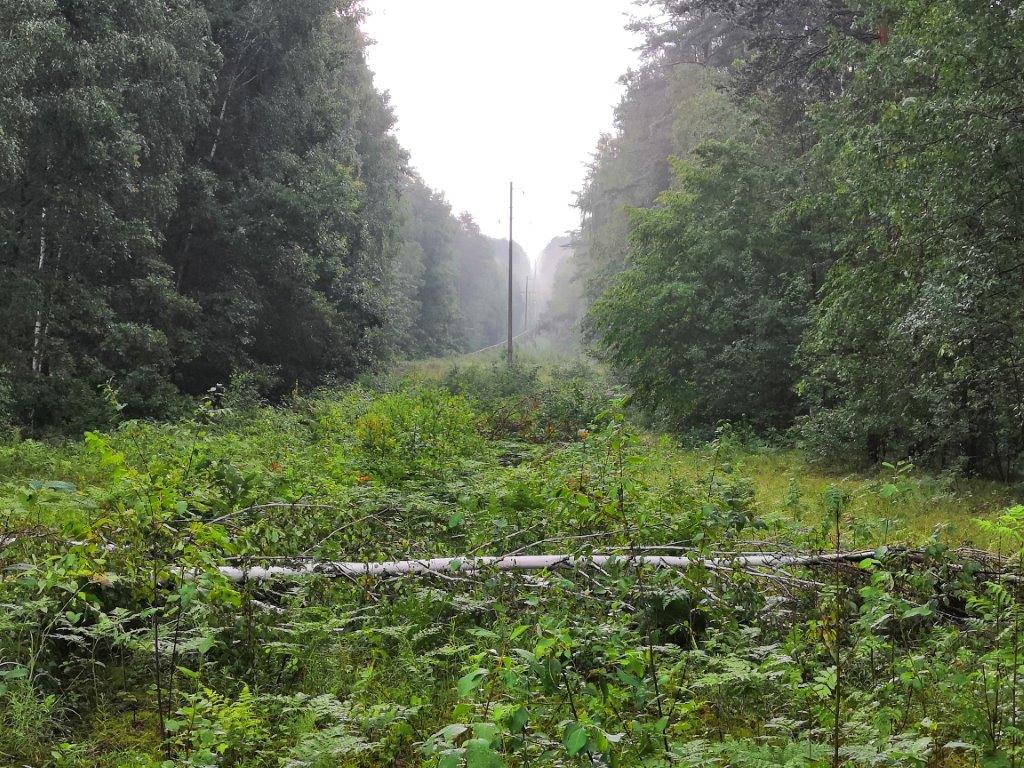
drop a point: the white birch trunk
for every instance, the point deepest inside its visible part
(37, 335)
(473, 565)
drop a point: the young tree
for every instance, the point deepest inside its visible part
(705, 320)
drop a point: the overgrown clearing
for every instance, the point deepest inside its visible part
(128, 647)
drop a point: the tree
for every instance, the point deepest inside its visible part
(667, 110)
(705, 320)
(777, 53)
(428, 319)
(287, 223)
(193, 190)
(555, 300)
(482, 267)
(917, 345)
(105, 99)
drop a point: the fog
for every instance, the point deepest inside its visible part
(488, 92)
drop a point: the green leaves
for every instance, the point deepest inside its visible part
(479, 754)
(888, 490)
(728, 665)
(574, 738)
(10, 674)
(892, 355)
(471, 681)
(219, 229)
(706, 320)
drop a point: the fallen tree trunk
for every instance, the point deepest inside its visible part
(472, 565)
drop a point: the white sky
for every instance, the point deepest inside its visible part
(488, 91)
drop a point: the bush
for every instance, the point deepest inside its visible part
(519, 402)
(417, 433)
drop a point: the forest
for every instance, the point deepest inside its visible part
(197, 191)
(749, 493)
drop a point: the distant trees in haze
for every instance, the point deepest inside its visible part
(458, 279)
(556, 298)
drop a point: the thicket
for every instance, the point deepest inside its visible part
(837, 246)
(124, 643)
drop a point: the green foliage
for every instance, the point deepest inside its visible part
(287, 207)
(856, 243)
(520, 402)
(451, 279)
(915, 347)
(123, 644)
(705, 321)
(416, 434)
(482, 280)
(206, 190)
(106, 99)
(425, 318)
(669, 107)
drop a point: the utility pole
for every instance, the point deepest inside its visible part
(510, 190)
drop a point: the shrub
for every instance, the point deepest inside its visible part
(417, 433)
(519, 402)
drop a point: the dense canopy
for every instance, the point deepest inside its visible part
(847, 229)
(200, 192)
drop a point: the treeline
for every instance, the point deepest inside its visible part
(195, 190)
(556, 296)
(454, 280)
(810, 217)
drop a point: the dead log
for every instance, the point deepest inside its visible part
(526, 563)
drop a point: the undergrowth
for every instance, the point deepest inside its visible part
(123, 641)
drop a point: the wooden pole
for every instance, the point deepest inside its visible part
(510, 190)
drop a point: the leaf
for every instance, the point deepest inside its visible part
(952, 745)
(486, 731)
(480, 755)
(918, 610)
(471, 681)
(53, 485)
(575, 738)
(451, 732)
(519, 719)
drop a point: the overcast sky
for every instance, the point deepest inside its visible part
(488, 91)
